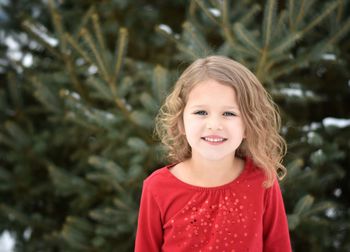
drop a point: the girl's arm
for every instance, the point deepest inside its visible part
(149, 235)
(276, 233)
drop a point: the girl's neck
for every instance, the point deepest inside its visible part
(204, 165)
(213, 173)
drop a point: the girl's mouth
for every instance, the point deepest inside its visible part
(214, 140)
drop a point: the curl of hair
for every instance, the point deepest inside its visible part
(263, 143)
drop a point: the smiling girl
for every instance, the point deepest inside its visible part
(220, 193)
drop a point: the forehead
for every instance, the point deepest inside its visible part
(212, 91)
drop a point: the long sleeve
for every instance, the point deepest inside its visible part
(275, 229)
(149, 235)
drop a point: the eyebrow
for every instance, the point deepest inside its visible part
(201, 106)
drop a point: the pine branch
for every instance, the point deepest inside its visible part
(277, 59)
(105, 180)
(192, 8)
(251, 13)
(34, 32)
(200, 45)
(135, 119)
(291, 15)
(14, 91)
(120, 52)
(341, 10)
(303, 204)
(66, 183)
(269, 17)
(320, 207)
(344, 29)
(77, 233)
(268, 21)
(84, 21)
(57, 22)
(159, 80)
(246, 37)
(121, 204)
(301, 13)
(45, 96)
(98, 32)
(100, 63)
(7, 141)
(74, 77)
(14, 214)
(17, 134)
(300, 62)
(226, 24)
(285, 44)
(110, 170)
(328, 10)
(245, 51)
(101, 88)
(78, 48)
(281, 27)
(260, 70)
(184, 48)
(202, 5)
(227, 31)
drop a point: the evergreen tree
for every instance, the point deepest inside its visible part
(76, 121)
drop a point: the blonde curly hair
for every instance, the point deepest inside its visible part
(263, 144)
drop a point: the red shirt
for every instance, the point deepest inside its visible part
(239, 216)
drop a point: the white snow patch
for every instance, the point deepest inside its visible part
(331, 213)
(109, 116)
(340, 123)
(27, 233)
(7, 242)
(296, 92)
(337, 192)
(41, 32)
(165, 28)
(215, 12)
(311, 126)
(76, 95)
(329, 56)
(92, 69)
(11, 43)
(27, 60)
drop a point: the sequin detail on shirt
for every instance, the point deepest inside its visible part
(219, 220)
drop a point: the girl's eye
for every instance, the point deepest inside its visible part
(229, 114)
(201, 112)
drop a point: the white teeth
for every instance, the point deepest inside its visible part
(214, 139)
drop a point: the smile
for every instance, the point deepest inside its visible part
(214, 140)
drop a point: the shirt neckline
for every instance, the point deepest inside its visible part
(237, 180)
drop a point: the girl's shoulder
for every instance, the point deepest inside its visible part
(254, 172)
(253, 168)
(159, 177)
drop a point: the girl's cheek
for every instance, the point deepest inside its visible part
(195, 124)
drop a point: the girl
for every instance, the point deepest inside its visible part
(220, 193)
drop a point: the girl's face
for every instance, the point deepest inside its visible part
(212, 121)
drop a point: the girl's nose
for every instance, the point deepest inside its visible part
(214, 124)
